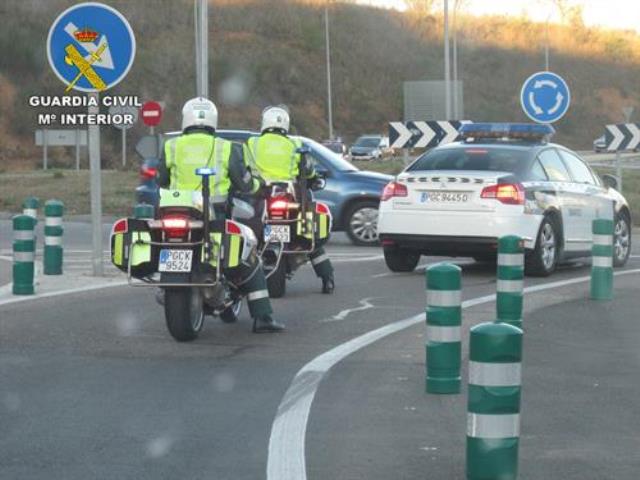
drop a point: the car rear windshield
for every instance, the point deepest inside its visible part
(472, 158)
(367, 142)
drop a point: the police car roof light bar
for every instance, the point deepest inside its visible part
(509, 131)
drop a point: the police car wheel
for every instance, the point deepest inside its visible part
(621, 240)
(542, 260)
(399, 260)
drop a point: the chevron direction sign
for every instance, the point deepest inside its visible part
(622, 136)
(423, 134)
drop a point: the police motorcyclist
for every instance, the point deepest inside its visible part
(199, 147)
(274, 156)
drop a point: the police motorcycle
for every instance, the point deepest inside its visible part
(294, 226)
(199, 265)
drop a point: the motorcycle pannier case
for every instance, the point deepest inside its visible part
(130, 242)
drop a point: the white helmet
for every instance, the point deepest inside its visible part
(275, 118)
(199, 112)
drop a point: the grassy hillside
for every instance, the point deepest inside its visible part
(270, 52)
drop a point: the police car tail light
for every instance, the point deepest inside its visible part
(322, 209)
(175, 226)
(508, 193)
(121, 226)
(232, 228)
(394, 189)
(148, 172)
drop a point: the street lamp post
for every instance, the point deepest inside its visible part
(201, 17)
(456, 112)
(328, 51)
(447, 72)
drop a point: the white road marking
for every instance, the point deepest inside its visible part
(6, 259)
(364, 305)
(86, 288)
(362, 259)
(422, 267)
(286, 457)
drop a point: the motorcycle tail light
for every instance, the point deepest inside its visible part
(175, 226)
(232, 228)
(278, 208)
(121, 226)
(322, 209)
(148, 173)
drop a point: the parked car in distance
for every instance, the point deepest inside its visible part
(369, 147)
(501, 179)
(352, 195)
(336, 146)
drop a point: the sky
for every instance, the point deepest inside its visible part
(623, 14)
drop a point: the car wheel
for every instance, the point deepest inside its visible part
(621, 240)
(361, 223)
(542, 260)
(399, 260)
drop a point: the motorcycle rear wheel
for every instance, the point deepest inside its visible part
(184, 313)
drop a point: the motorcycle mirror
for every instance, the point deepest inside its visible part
(242, 210)
(148, 147)
(319, 183)
(303, 150)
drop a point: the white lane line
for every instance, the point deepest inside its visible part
(361, 259)
(286, 458)
(364, 305)
(421, 267)
(86, 288)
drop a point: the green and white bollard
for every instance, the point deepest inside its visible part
(24, 252)
(602, 260)
(444, 318)
(53, 210)
(510, 285)
(493, 406)
(143, 210)
(30, 207)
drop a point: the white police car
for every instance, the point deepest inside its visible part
(501, 179)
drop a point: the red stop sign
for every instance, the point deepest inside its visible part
(151, 114)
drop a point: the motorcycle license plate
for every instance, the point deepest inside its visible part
(175, 260)
(277, 233)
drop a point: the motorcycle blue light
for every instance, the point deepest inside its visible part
(205, 171)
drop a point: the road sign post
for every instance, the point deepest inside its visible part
(444, 319)
(133, 112)
(545, 97)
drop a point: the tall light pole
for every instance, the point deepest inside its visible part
(328, 49)
(546, 44)
(201, 17)
(447, 69)
(456, 113)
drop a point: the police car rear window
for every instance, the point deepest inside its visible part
(472, 158)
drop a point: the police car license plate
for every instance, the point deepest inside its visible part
(175, 260)
(277, 233)
(443, 197)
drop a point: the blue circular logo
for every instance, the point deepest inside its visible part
(545, 97)
(91, 47)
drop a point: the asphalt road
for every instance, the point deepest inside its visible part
(93, 386)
